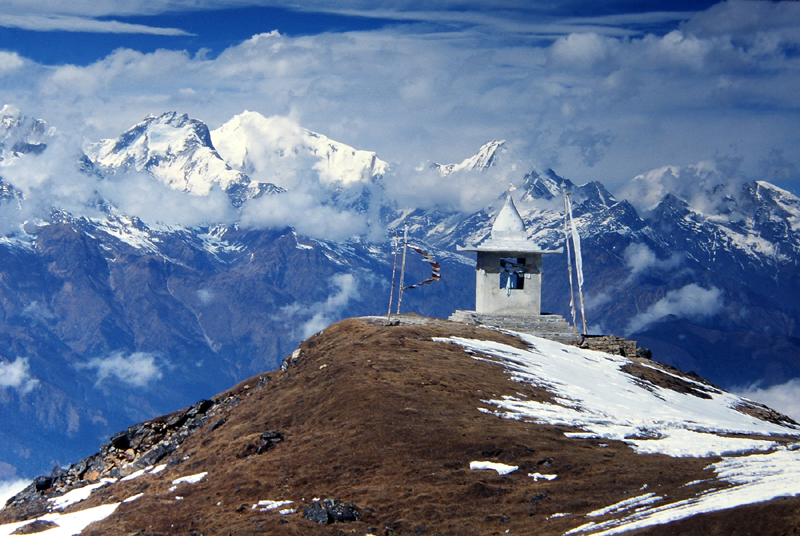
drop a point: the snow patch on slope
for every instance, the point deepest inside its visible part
(755, 478)
(67, 524)
(593, 394)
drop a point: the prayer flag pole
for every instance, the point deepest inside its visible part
(576, 242)
(403, 266)
(394, 274)
(569, 260)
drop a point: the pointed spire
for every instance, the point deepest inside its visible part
(509, 225)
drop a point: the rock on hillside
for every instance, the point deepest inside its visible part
(432, 427)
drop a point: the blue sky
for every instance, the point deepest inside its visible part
(597, 91)
(80, 36)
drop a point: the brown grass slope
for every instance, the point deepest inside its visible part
(387, 419)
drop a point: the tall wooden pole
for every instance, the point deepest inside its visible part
(403, 267)
(569, 261)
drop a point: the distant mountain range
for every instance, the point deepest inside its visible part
(109, 317)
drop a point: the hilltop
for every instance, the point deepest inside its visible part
(425, 426)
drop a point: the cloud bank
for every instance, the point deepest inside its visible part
(640, 259)
(304, 213)
(43, 23)
(704, 185)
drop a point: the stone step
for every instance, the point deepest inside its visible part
(507, 317)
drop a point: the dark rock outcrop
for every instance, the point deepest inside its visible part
(330, 511)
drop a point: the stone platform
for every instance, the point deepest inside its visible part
(546, 326)
(554, 328)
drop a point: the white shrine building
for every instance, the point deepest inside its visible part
(508, 281)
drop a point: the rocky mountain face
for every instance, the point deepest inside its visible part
(106, 320)
(20, 134)
(423, 426)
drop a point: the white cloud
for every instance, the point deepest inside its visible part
(466, 191)
(10, 61)
(702, 185)
(305, 214)
(750, 23)
(137, 369)
(9, 488)
(639, 259)
(154, 202)
(48, 180)
(691, 301)
(784, 398)
(320, 315)
(205, 296)
(16, 375)
(46, 23)
(582, 50)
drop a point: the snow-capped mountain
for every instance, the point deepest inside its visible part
(760, 222)
(177, 151)
(275, 149)
(485, 158)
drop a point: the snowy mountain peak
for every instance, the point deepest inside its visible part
(267, 148)
(20, 134)
(545, 186)
(781, 202)
(177, 151)
(485, 158)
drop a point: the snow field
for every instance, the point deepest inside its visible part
(539, 476)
